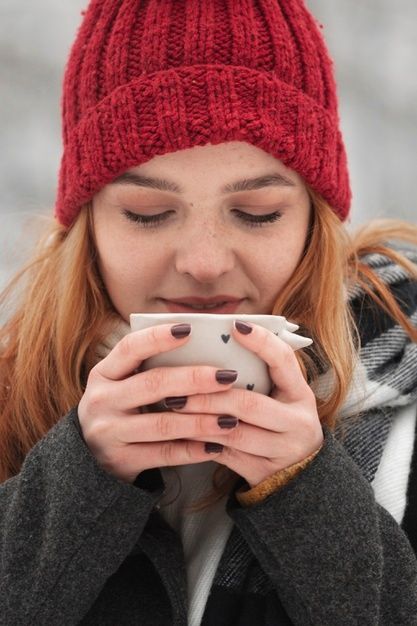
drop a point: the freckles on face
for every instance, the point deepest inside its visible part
(205, 246)
(137, 266)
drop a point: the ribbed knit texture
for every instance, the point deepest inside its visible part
(145, 78)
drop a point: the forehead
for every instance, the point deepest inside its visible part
(230, 167)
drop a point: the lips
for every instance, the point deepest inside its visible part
(177, 307)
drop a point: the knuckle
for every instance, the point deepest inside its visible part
(95, 432)
(307, 423)
(205, 403)
(99, 429)
(154, 380)
(154, 334)
(168, 453)
(93, 374)
(198, 377)
(188, 450)
(236, 437)
(304, 422)
(200, 426)
(164, 425)
(311, 397)
(97, 397)
(247, 403)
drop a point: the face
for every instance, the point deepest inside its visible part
(202, 234)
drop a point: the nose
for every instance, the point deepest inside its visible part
(205, 252)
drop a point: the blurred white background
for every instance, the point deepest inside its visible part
(374, 47)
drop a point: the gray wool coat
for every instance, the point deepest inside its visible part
(79, 546)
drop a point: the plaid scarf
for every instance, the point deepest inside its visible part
(386, 371)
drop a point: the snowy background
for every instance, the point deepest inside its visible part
(373, 44)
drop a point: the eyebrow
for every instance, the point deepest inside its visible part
(247, 184)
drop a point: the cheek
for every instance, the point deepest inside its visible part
(116, 254)
(278, 261)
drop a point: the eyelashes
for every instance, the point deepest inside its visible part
(253, 221)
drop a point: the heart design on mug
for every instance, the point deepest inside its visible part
(225, 338)
(250, 387)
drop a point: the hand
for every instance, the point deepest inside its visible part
(125, 443)
(274, 431)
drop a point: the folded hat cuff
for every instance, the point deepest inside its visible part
(182, 107)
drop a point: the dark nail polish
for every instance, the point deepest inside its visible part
(213, 447)
(175, 402)
(227, 421)
(226, 376)
(243, 327)
(181, 330)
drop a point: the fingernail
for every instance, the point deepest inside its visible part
(227, 421)
(213, 447)
(226, 376)
(181, 330)
(177, 402)
(243, 327)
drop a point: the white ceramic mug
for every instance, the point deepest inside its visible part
(211, 343)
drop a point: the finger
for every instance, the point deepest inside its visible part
(164, 454)
(251, 440)
(135, 347)
(280, 358)
(252, 468)
(160, 382)
(165, 427)
(249, 406)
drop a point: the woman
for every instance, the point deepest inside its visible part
(203, 159)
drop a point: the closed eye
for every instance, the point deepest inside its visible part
(149, 221)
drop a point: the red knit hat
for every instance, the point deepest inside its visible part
(147, 78)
